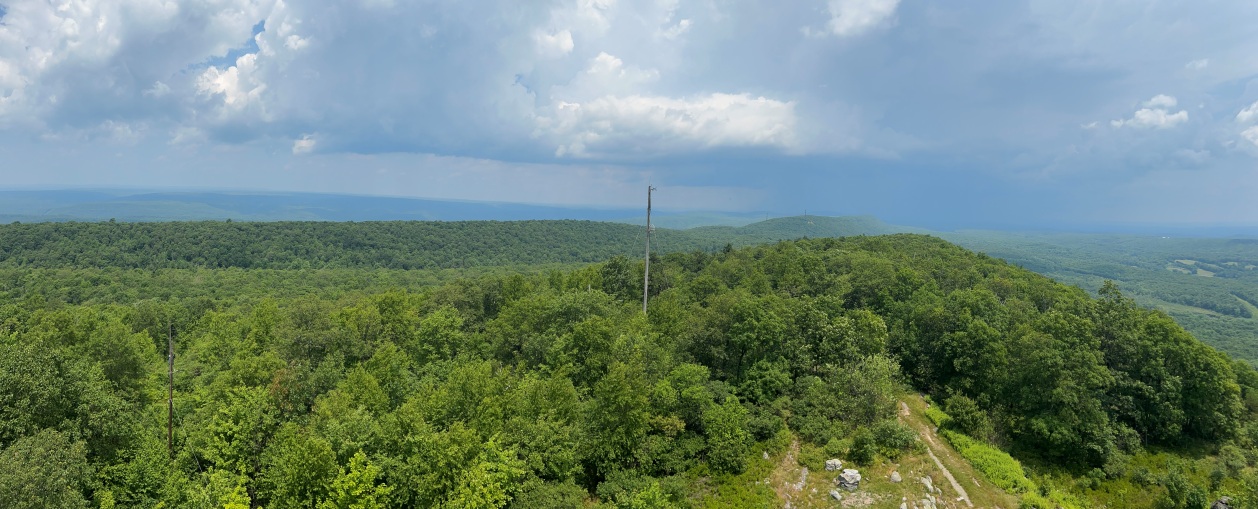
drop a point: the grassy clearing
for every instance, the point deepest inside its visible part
(998, 465)
(981, 490)
(1253, 310)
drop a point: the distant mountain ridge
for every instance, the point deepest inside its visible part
(149, 206)
(380, 244)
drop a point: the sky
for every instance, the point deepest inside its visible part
(995, 113)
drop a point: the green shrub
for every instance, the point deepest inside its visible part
(1033, 500)
(998, 466)
(937, 416)
(864, 447)
(764, 424)
(894, 438)
(967, 417)
(812, 456)
(541, 495)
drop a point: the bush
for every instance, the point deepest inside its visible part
(937, 416)
(540, 495)
(728, 440)
(835, 447)
(812, 456)
(1004, 471)
(864, 447)
(1034, 500)
(764, 424)
(894, 438)
(967, 417)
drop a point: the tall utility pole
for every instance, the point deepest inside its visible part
(170, 395)
(646, 272)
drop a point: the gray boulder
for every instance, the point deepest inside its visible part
(850, 479)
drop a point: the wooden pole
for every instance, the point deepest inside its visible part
(646, 271)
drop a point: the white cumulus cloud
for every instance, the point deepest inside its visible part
(1251, 134)
(1248, 114)
(1161, 101)
(849, 18)
(75, 64)
(1154, 115)
(608, 108)
(553, 45)
(653, 124)
(237, 87)
(304, 145)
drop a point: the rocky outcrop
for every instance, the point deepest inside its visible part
(850, 479)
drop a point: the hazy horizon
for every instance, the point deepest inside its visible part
(100, 204)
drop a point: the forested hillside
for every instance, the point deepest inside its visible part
(551, 389)
(1210, 286)
(388, 245)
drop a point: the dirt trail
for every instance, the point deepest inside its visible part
(931, 444)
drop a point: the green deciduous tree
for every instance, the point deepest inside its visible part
(728, 440)
(356, 487)
(44, 470)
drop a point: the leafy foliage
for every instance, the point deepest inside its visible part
(997, 465)
(506, 389)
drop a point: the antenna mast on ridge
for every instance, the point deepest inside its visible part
(646, 271)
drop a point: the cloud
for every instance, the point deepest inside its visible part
(74, 65)
(553, 45)
(1251, 134)
(238, 86)
(850, 18)
(675, 31)
(304, 145)
(1161, 101)
(653, 124)
(1154, 115)
(1248, 114)
(1197, 65)
(158, 90)
(607, 109)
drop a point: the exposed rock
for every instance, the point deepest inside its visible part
(1222, 503)
(766, 455)
(835, 495)
(833, 465)
(904, 505)
(895, 477)
(930, 486)
(803, 479)
(850, 479)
